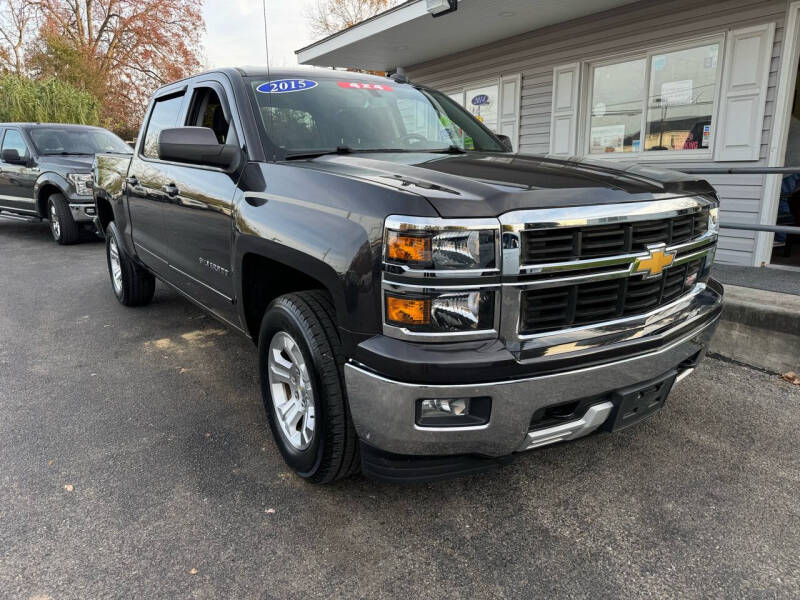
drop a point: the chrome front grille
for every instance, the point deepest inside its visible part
(579, 268)
(557, 244)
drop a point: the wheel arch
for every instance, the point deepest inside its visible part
(267, 270)
(47, 185)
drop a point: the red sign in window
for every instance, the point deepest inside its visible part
(356, 85)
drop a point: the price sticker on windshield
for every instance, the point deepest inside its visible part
(357, 85)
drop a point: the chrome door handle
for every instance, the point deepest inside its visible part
(132, 181)
(171, 189)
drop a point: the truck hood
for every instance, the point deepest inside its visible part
(72, 163)
(488, 185)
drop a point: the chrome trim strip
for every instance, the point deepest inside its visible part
(402, 223)
(32, 212)
(595, 416)
(434, 274)
(683, 375)
(605, 275)
(685, 299)
(205, 285)
(395, 286)
(600, 214)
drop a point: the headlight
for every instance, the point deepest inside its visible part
(443, 312)
(82, 183)
(440, 245)
(713, 219)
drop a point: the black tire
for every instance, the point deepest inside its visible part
(308, 317)
(136, 285)
(63, 227)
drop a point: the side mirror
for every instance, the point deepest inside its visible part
(506, 141)
(12, 157)
(197, 146)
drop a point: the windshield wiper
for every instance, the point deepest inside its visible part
(314, 153)
(343, 150)
(66, 153)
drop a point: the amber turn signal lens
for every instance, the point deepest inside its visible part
(408, 248)
(408, 311)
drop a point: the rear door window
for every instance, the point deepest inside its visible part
(164, 115)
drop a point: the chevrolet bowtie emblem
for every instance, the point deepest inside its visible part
(652, 265)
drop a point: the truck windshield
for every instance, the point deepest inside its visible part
(304, 116)
(73, 140)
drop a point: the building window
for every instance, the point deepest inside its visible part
(668, 95)
(483, 102)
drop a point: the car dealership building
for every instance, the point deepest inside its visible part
(673, 83)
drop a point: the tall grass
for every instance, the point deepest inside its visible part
(50, 101)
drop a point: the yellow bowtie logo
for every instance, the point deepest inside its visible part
(652, 265)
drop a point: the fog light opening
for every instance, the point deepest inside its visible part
(453, 412)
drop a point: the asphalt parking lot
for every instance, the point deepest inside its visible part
(135, 461)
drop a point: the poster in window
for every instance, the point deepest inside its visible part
(677, 93)
(608, 138)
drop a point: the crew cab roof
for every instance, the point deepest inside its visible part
(281, 73)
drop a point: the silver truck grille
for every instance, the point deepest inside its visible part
(582, 267)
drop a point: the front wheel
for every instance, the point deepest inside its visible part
(302, 385)
(63, 227)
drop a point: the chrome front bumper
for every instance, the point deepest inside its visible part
(383, 410)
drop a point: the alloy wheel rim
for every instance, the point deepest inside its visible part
(116, 266)
(292, 394)
(55, 226)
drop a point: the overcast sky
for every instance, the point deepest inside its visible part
(235, 32)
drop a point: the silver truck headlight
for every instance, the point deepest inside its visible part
(82, 183)
(441, 244)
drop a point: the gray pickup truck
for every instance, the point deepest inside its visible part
(45, 173)
(425, 302)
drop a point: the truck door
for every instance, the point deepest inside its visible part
(17, 180)
(150, 206)
(200, 218)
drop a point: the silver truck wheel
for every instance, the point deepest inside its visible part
(301, 364)
(292, 393)
(55, 226)
(133, 285)
(116, 266)
(63, 227)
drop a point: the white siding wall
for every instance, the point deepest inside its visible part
(628, 29)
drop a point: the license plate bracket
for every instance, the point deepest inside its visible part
(635, 404)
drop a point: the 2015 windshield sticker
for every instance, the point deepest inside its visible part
(356, 85)
(284, 86)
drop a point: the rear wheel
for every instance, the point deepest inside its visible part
(133, 285)
(62, 226)
(302, 385)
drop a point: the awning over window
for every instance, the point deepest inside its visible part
(408, 34)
